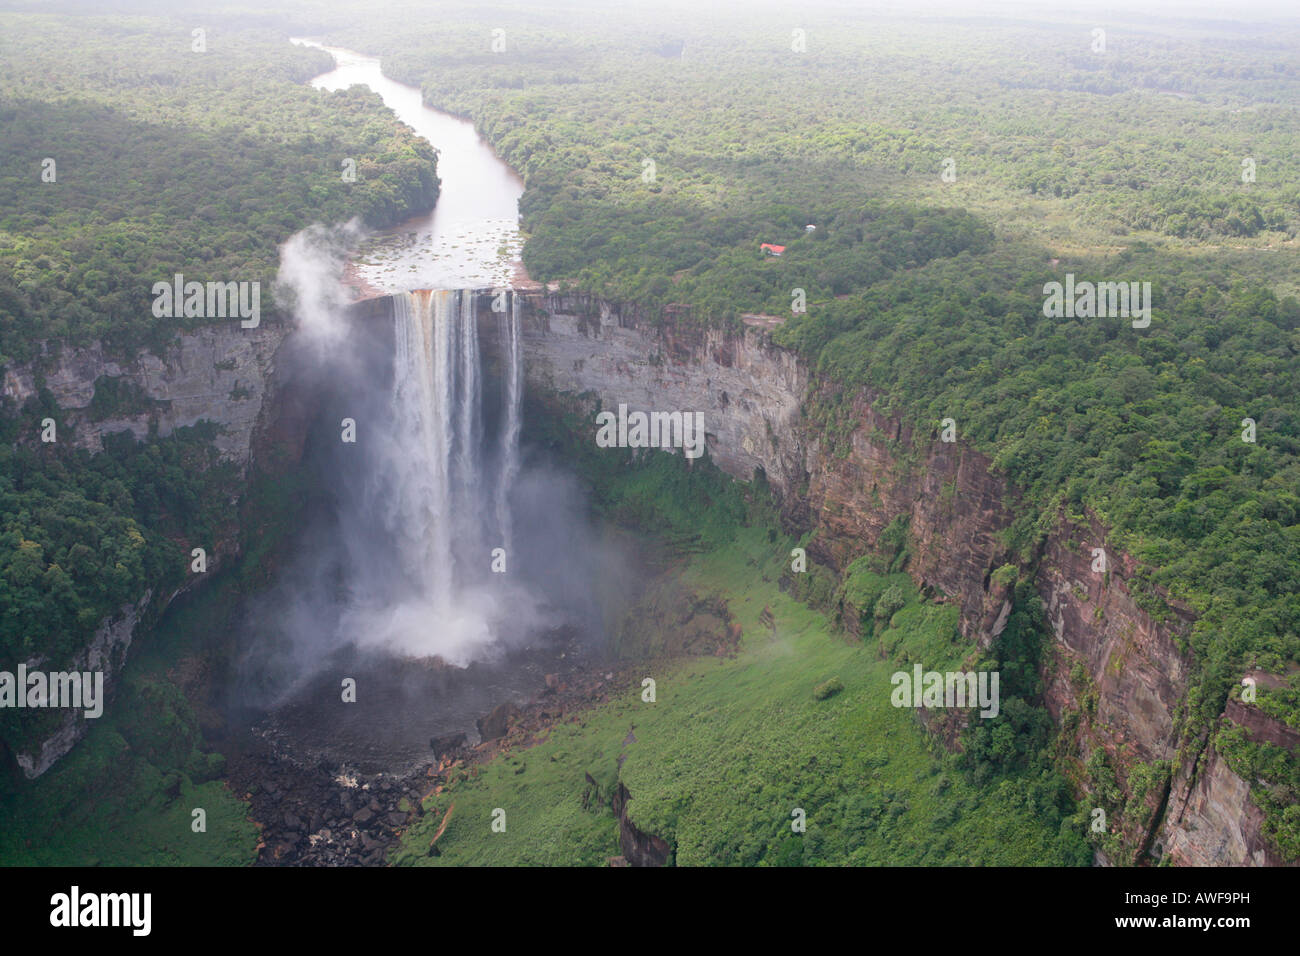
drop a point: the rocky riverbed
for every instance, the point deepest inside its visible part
(323, 813)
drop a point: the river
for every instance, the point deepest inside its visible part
(471, 239)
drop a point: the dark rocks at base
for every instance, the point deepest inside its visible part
(354, 819)
(447, 743)
(496, 724)
(312, 812)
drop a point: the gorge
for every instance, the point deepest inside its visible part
(752, 394)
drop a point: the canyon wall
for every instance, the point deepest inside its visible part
(748, 391)
(1125, 696)
(106, 652)
(217, 372)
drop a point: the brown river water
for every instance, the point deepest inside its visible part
(471, 240)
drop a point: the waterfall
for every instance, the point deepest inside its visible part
(431, 493)
(469, 439)
(512, 374)
(419, 488)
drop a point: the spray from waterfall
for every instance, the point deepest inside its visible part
(397, 555)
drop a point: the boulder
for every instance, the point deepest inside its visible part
(446, 744)
(495, 725)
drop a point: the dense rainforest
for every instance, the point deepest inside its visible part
(169, 160)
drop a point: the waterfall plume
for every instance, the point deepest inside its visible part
(399, 557)
(426, 488)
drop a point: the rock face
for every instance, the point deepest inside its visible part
(218, 373)
(448, 743)
(1138, 670)
(639, 848)
(955, 507)
(1212, 820)
(748, 391)
(497, 723)
(106, 652)
(1216, 823)
(1135, 673)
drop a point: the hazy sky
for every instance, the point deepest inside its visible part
(1098, 10)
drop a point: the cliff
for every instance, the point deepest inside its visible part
(748, 390)
(218, 372)
(1123, 699)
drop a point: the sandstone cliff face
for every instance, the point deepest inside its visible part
(1217, 824)
(748, 391)
(752, 393)
(1136, 666)
(218, 373)
(106, 652)
(639, 848)
(953, 505)
(1211, 819)
(1136, 674)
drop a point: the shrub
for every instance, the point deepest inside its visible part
(828, 689)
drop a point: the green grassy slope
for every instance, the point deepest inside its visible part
(731, 747)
